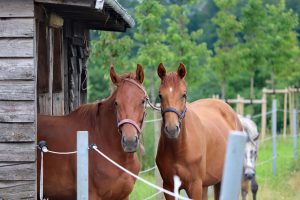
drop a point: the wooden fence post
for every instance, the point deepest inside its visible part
(232, 176)
(82, 165)
(263, 114)
(274, 134)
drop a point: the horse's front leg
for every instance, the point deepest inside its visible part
(196, 190)
(254, 187)
(205, 193)
(245, 188)
(170, 188)
(217, 191)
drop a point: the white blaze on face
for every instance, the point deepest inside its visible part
(171, 89)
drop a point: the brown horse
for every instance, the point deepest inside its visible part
(193, 137)
(114, 125)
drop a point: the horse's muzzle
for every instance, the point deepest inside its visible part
(130, 145)
(172, 132)
(249, 174)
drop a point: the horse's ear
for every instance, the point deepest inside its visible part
(181, 71)
(161, 71)
(114, 76)
(139, 73)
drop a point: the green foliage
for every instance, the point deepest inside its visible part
(226, 55)
(111, 49)
(254, 45)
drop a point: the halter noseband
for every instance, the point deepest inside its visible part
(174, 110)
(130, 121)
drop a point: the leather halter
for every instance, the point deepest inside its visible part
(130, 121)
(174, 110)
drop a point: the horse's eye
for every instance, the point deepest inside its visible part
(143, 101)
(116, 103)
(184, 96)
(160, 96)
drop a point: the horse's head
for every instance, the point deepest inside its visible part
(172, 94)
(130, 101)
(251, 147)
(250, 159)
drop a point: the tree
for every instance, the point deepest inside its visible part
(110, 49)
(150, 40)
(253, 49)
(185, 46)
(281, 40)
(226, 58)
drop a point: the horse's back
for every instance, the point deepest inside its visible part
(216, 112)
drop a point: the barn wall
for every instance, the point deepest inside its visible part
(17, 100)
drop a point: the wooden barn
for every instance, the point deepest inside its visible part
(44, 45)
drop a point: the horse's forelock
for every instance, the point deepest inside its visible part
(171, 78)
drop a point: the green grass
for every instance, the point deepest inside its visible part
(141, 191)
(284, 185)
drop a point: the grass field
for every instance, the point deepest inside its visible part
(285, 185)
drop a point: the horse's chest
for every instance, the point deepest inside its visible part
(185, 170)
(112, 183)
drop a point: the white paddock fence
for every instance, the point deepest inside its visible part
(235, 154)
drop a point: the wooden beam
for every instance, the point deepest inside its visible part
(17, 69)
(15, 27)
(83, 3)
(17, 171)
(18, 190)
(17, 111)
(16, 8)
(276, 91)
(16, 47)
(17, 132)
(17, 90)
(17, 152)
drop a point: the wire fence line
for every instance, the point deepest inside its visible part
(148, 170)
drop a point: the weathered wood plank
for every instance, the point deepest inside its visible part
(17, 111)
(17, 69)
(17, 90)
(45, 104)
(17, 190)
(16, 47)
(12, 152)
(58, 103)
(15, 27)
(17, 132)
(14, 171)
(16, 8)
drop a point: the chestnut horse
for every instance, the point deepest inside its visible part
(193, 137)
(114, 125)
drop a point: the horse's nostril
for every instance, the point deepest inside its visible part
(177, 128)
(136, 139)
